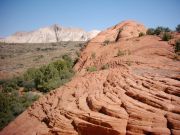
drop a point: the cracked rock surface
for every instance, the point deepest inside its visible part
(137, 94)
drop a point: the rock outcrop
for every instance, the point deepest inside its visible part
(54, 33)
(135, 90)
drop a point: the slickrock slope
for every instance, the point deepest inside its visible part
(136, 94)
(54, 33)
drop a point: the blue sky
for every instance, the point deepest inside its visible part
(26, 15)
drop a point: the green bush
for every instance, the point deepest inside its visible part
(106, 66)
(157, 31)
(150, 31)
(10, 85)
(30, 74)
(12, 104)
(141, 34)
(93, 55)
(120, 53)
(106, 42)
(178, 28)
(166, 36)
(43, 79)
(91, 69)
(177, 47)
(78, 54)
(68, 61)
(49, 76)
(28, 85)
(161, 29)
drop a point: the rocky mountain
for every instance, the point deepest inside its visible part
(133, 90)
(54, 33)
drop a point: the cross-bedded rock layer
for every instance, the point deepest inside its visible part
(136, 94)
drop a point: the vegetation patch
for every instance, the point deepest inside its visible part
(12, 104)
(141, 34)
(91, 69)
(158, 30)
(120, 53)
(129, 63)
(105, 66)
(78, 54)
(93, 55)
(38, 57)
(106, 42)
(49, 76)
(166, 36)
(17, 93)
(150, 31)
(177, 47)
(178, 28)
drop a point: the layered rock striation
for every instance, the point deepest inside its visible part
(135, 90)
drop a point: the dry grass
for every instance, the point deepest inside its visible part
(17, 58)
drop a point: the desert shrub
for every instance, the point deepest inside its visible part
(49, 76)
(27, 99)
(91, 69)
(78, 54)
(54, 44)
(48, 49)
(93, 55)
(177, 47)
(158, 30)
(10, 85)
(141, 34)
(106, 66)
(2, 82)
(5, 113)
(68, 60)
(166, 36)
(161, 29)
(120, 53)
(19, 81)
(38, 49)
(38, 57)
(128, 62)
(178, 28)
(106, 42)
(2, 57)
(44, 80)
(30, 74)
(28, 85)
(13, 104)
(150, 31)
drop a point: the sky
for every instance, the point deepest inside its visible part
(28, 15)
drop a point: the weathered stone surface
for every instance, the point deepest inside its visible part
(137, 94)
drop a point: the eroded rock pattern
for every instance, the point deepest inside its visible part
(137, 94)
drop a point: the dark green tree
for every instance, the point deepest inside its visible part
(150, 31)
(178, 28)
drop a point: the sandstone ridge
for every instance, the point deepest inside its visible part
(135, 90)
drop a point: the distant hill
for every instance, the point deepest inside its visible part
(54, 33)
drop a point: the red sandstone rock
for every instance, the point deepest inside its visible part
(137, 94)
